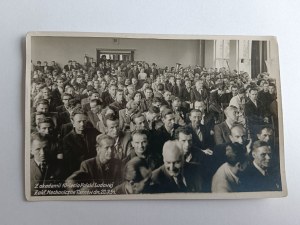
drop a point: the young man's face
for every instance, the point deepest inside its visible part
(139, 143)
(45, 129)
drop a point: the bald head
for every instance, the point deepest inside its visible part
(173, 158)
(238, 134)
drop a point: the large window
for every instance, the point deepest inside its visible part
(115, 54)
(222, 53)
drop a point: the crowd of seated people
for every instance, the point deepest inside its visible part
(146, 129)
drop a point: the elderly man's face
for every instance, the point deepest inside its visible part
(265, 135)
(105, 150)
(232, 114)
(173, 162)
(237, 135)
(186, 142)
(140, 144)
(39, 150)
(262, 156)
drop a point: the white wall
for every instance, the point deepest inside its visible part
(162, 52)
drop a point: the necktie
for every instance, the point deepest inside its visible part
(43, 167)
(180, 184)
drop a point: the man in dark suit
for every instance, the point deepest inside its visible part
(122, 139)
(69, 66)
(79, 144)
(103, 168)
(260, 175)
(200, 134)
(175, 175)
(165, 132)
(109, 96)
(42, 169)
(199, 93)
(222, 130)
(255, 110)
(185, 92)
(120, 102)
(65, 99)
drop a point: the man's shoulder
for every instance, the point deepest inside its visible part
(159, 174)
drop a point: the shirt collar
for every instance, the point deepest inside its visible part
(263, 172)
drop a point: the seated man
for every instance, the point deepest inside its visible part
(125, 115)
(103, 168)
(122, 139)
(237, 135)
(226, 179)
(175, 175)
(201, 135)
(255, 111)
(141, 148)
(93, 95)
(109, 96)
(178, 112)
(79, 144)
(42, 169)
(222, 130)
(137, 178)
(164, 133)
(153, 118)
(260, 175)
(120, 102)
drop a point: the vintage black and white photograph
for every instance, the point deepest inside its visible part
(128, 116)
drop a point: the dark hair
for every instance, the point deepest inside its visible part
(136, 115)
(37, 137)
(153, 109)
(42, 102)
(97, 101)
(66, 95)
(45, 120)
(155, 99)
(184, 130)
(166, 112)
(132, 170)
(263, 128)
(160, 87)
(235, 153)
(258, 144)
(78, 110)
(140, 132)
(111, 117)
